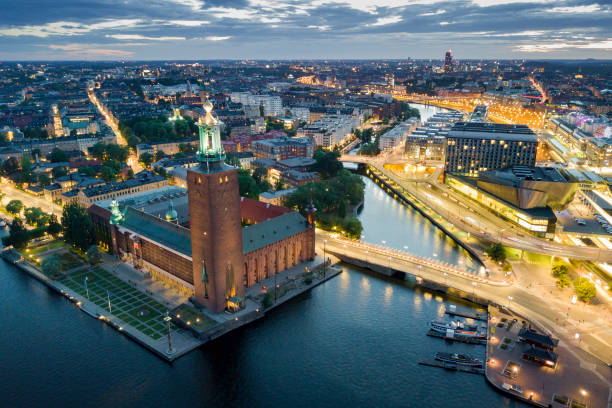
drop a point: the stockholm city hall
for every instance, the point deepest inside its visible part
(225, 243)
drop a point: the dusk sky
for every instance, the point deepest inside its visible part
(292, 29)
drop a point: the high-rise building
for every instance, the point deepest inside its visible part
(475, 146)
(448, 61)
(214, 211)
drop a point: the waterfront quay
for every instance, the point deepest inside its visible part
(566, 380)
(545, 384)
(156, 316)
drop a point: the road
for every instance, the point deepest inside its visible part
(555, 314)
(110, 120)
(12, 193)
(479, 222)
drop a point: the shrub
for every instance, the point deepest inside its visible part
(559, 270)
(585, 290)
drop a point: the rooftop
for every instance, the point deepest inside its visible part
(496, 131)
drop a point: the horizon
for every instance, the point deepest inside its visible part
(187, 30)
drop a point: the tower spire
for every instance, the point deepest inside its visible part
(211, 149)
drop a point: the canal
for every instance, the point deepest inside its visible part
(355, 339)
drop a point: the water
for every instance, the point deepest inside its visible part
(355, 340)
(387, 222)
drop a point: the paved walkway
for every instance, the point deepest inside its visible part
(573, 377)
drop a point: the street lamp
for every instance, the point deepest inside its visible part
(474, 284)
(167, 319)
(445, 276)
(389, 259)
(509, 300)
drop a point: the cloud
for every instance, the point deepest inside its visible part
(188, 23)
(548, 47)
(490, 3)
(433, 13)
(143, 37)
(217, 38)
(386, 20)
(592, 8)
(66, 28)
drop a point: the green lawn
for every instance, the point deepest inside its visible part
(128, 304)
(196, 319)
(47, 247)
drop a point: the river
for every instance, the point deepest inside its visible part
(355, 339)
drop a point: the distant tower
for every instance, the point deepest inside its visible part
(448, 61)
(390, 79)
(214, 217)
(188, 90)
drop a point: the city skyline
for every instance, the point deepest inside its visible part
(268, 29)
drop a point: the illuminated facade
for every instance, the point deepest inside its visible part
(474, 147)
(522, 195)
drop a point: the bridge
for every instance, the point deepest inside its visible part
(390, 260)
(458, 281)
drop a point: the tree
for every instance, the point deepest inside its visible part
(496, 252)
(94, 256)
(59, 172)
(146, 159)
(26, 170)
(564, 281)
(36, 217)
(18, 236)
(77, 226)
(58, 155)
(327, 163)
(559, 270)
(98, 150)
(585, 289)
(44, 180)
(51, 266)
(88, 171)
(14, 207)
(159, 155)
(108, 173)
(247, 186)
(54, 228)
(10, 165)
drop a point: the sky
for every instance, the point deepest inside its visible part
(297, 29)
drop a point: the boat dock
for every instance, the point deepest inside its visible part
(451, 366)
(457, 337)
(453, 311)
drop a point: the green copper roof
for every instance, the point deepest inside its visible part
(168, 234)
(268, 232)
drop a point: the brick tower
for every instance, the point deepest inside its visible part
(214, 217)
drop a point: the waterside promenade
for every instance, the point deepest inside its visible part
(573, 381)
(551, 315)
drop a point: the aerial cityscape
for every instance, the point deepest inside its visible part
(297, 204)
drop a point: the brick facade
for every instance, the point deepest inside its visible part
(214, 212)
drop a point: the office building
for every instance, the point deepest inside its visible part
(473, 147)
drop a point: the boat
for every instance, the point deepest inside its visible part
(2, 224)
(457, 358)
(456, 328)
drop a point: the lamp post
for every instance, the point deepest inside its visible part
(167, 319)
(474, 284)
(445, 278)
(389, 259)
